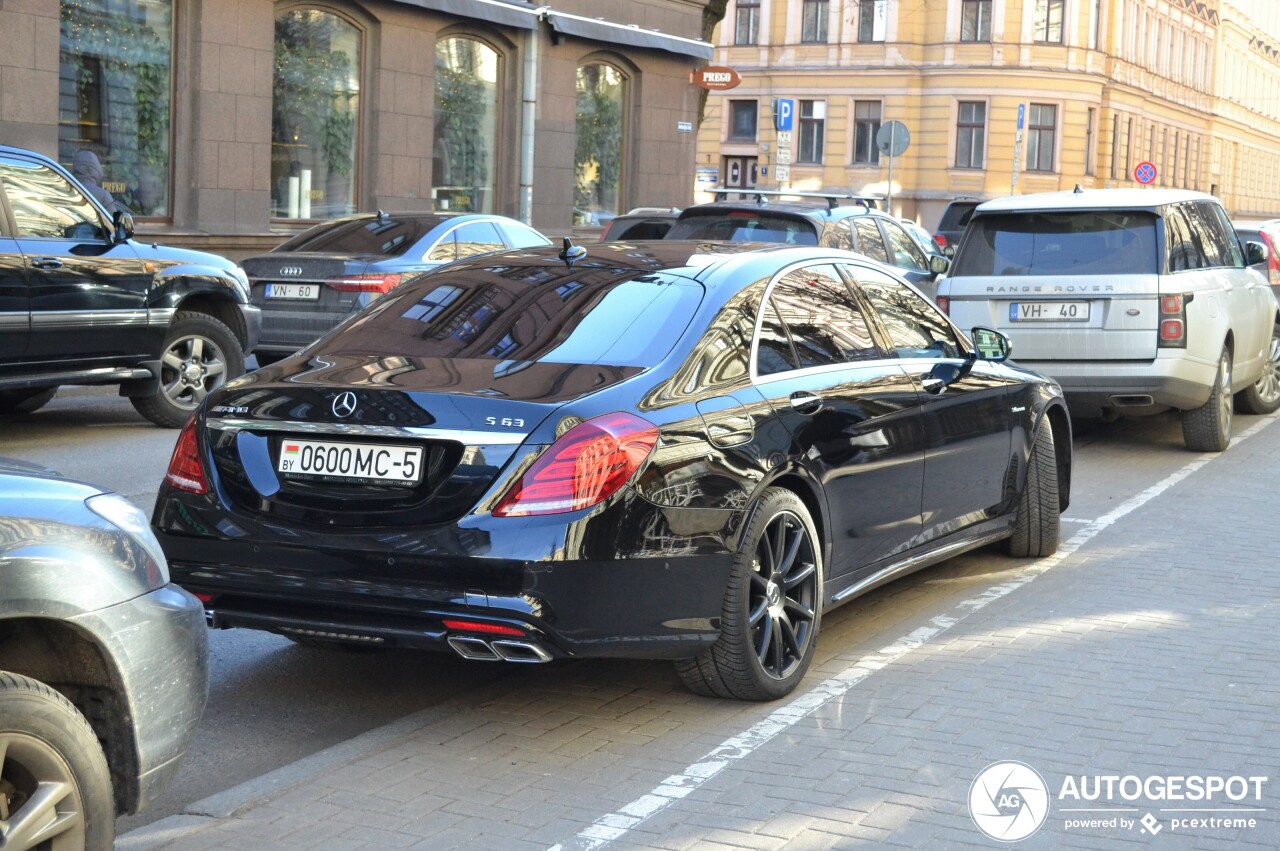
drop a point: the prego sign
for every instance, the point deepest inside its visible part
(716, 78)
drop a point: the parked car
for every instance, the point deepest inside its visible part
(642, 223)
(835, 221)
(322, 276)
(82, 302)
(955, 218)
(676, 450)
(103, 663)
(1268, 234)
(922, 238)
(1136, 301)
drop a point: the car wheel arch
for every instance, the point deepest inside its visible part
(218, 305)
(1056, 418)
(73, 662)
(808, 491)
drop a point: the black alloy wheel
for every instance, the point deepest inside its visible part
(772, 608)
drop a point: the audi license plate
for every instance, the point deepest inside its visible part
(356, 463)
(1049, 311)
(303, 291)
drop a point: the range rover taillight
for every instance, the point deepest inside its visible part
(587, 465)
(186, 471)
(1173, 321)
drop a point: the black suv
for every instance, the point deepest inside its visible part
(82, 303)
(839, 221)
(953, 222)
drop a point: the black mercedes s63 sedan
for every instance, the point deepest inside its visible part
(669, 450)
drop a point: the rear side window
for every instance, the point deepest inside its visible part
(825, 324)
(509, 313)
(870, 242)
(744, 226)
(477, 238)
(1184, 244)
(957, 215)
(1101, 242)
(519, 236)
(391, 236)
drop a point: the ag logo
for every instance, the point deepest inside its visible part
(1008, 801)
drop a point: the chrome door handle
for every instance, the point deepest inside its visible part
(46, 263)
(806, 403)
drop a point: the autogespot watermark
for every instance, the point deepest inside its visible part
(1010, 801)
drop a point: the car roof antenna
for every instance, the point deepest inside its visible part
(571, 253)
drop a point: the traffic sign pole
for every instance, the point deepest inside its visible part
(889, 203)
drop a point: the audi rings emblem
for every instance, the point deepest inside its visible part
(345, 404)
(290, 271)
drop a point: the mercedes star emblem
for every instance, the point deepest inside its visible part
(345, 404)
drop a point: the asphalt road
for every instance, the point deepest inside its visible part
(272, 703)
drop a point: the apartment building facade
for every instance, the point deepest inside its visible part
(999, 97)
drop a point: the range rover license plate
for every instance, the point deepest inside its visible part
(1049, 311)
(357, 463)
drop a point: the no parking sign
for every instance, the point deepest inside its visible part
(1145, 172)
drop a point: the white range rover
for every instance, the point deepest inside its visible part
(1135, 300)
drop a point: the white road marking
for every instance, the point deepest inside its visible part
(615, 825)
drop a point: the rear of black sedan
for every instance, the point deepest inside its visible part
(536, 455)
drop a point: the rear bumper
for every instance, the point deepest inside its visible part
(1175, 381)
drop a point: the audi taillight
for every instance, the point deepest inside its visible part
(186, 472)
(1173, 321)
(587, 465)
(381, 284)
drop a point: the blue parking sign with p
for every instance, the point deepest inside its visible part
(784, 110)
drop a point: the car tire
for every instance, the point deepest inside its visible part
(1208, 427)
(1263, 396)
(772, 608)
(199, 355)
(47, 745)
(1038, 527)
(25, 401)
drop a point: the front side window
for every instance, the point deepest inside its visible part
(872, 20)
(971, 134)
(114, 91)
(1042, 125)
(866, 124)
(598, 154)
(813, 119)
(315, 104)
(813, 22)
(1106, 242)
(466, 126)
(906, 254)
(975, 20)
(742, 120)
(1048, 20)
(747, 23)
(825, 324)
(46, 206)
(916, 328)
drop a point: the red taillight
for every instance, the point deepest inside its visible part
(940, 239)
(1173, 321)
(484, 627)
(944, 304)
(186, 472)
(1273, 262)
(587, 465)
(204, 598)
(381, 284)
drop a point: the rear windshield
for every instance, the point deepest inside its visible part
(585, 316)
(390, 236)
(957, 215)
(1101, 242)
(744, 226)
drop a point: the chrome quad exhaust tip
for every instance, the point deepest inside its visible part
(503, 650)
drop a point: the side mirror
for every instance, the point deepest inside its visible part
(938, 264)
(990, 344)
(1255, 252)
(122, 222)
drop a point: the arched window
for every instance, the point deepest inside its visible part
(598, 159)
(315, 106)
(466, 126)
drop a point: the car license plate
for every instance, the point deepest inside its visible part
(1049, 311)
(357, 463)
(303, 291)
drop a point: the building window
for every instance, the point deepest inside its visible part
(1048, 21)
(742, 120)
(813, 21)
(871, 20)
(466, 126)
(598, 153)
(971, 132)
(747, 23)
(1042, 124)
(975, 20)
(115, 84)
(866, 124)
(813, 118)
(315, 102)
